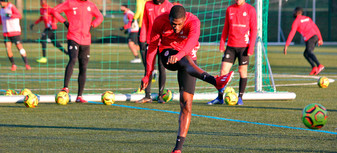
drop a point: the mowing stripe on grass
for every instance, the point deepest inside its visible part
(220, 118)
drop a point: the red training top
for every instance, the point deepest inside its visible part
(79, 14)
(306, 27)
(10, 25)
(240, 27)
(162, 35)
(47, 17)
(151, 11)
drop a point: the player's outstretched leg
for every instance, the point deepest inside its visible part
(194, 70)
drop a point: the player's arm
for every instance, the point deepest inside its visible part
(192, 40)
(318, 32)
(143, 30)
(59, 9)
(36, 22)
(151, 54)
(130, 17)
(224, 34)
(291, 35)
(253, 32)
(15, 13)
(98, 17)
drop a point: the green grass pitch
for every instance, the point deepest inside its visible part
(99, 128)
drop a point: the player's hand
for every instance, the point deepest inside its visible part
(172, 59)
(144, 83)
(121, 28)
(31, 26)
(285, 50)
(320, 42)
(222, 51)
(8, 15)
(66, 23)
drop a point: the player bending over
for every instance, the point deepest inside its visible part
(50, 24)
(311, 35)
(240, 29)
(10, 20)
(79, 14)
(177, 33)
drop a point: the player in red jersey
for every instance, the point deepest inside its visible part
(311, 35)
(177, 34)
(241, 29)
(152, 10)
(80, 15)
(50, 24)
(10, 20)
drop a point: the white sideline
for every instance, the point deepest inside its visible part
(134, 97)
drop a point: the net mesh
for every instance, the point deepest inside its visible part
(109, 67)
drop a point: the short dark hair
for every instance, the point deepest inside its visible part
(125, 5)
(177, 12)
(298, 9)
(3, 0)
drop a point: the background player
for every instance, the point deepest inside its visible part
(10, 20)
(50, 24)
(241, 29)
(80, 14)
(177, 34)
(132, 29)
(152, 9)
(311, 35)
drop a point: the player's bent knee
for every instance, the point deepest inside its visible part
(23, 52)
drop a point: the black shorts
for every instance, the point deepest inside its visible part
(133, 36)
(231, 53)
(186, 81)
(82, 52)
(13, 39)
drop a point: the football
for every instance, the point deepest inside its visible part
(314, 116)
(108, 98)
(10, 92)
(62, 98)
(25, 91)
(229, 90)
(167, 95)
(31, 100)
(231, 99)
(323, 82)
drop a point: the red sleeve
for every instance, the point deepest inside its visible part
(224, 34)
(318, 32)
(143, 30)
(59, 9)
(130, 17)
(152, 50)
(292, 32)
(98, 17)
(15, 13)
(38, 20)
(192, 39)
(253, 31)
